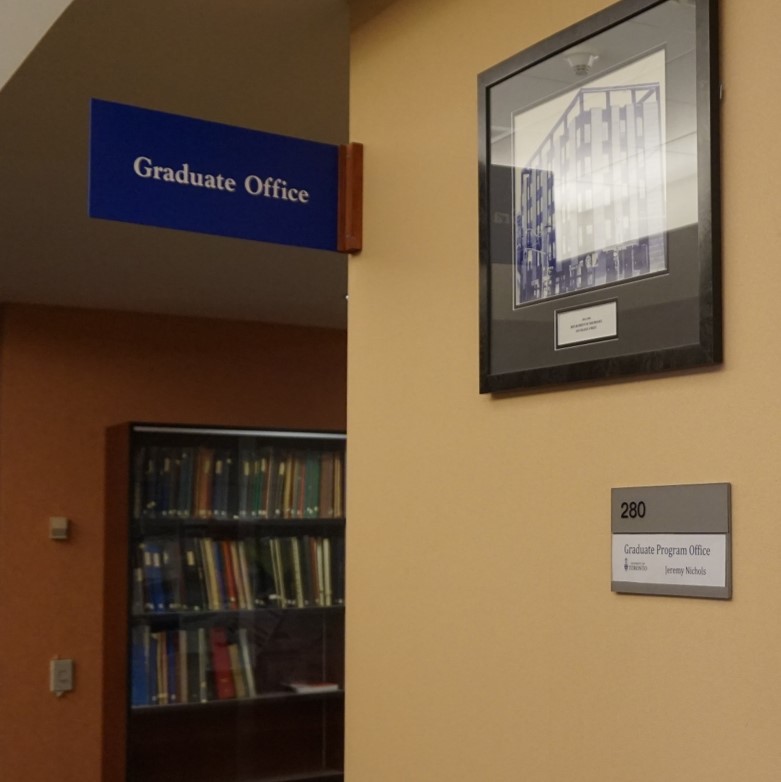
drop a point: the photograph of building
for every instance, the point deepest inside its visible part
(590, 204)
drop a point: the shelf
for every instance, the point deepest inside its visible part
(228, 703)
(168, 617)
(313, 776)
(169, 525)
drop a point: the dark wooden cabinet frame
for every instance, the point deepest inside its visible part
(277, 735)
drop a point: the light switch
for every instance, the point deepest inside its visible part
(60, 676)
(59, 527)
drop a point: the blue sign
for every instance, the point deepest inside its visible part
(165, 170)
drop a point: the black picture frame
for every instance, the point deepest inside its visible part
(599, 200)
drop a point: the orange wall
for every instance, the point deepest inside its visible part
(66, 375)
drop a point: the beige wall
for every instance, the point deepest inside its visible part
(484, 642)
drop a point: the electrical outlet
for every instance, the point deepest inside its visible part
(60, 676)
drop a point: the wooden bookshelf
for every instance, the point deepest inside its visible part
(224, 612)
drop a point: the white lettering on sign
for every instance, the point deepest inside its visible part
(269, 187)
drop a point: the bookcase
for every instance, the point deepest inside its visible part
(228, 662)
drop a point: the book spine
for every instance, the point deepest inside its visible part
(172, 673)
(154, 576)
(242, 592)
(193, 667)
(320, 574)
(210, 578)
(229, 576)
(138, 602)
(326, 502)
(138, 482)
(182, 661)
(329, 593)
(223, 677)
(186, 481)
(139, 667)
(203, 666)
(338, 485)
(150, 482)
(269, 470)
(161, 669)
(246, 659)
(264, 573)
(204, 483)
(165, 483)
(219, 575)
(244, 476)
(298, 578)
(338, 553)
(310, 592)
(236, 670)
(153, 669)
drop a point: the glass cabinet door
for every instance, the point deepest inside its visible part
(236, 616)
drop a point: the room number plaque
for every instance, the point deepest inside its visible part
(672, 540)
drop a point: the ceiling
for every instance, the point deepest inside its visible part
(270, 65)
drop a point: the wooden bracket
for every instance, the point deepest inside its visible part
(350, 230)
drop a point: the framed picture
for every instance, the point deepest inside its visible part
(599, 200)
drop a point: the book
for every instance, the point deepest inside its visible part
(309, 568)
(204, 483)
(149, 503)
(312, 486)
(191, 666)
(338, 555)
(154, 599)
(182, 660)
(210, 574)
(153, 669)
(320, 564)
(266, 470)
(165, 482)
(264, 573)
(247, 601)
(171, 661)
(219, 575)
(139, 465)
(203, 666)
(139, 667)
(298, 500)
(184, 501)
(246, 661)
(221, 664)
(236, 670)
(278, 565)
(229, 575)
(298, 578)
(137, 599)
(338, 486)
(171, 574)
(161, 668)
(193, 578)
(327, 579)
(223, 482)
(244, 483)
(326, 498)
(278, 500)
